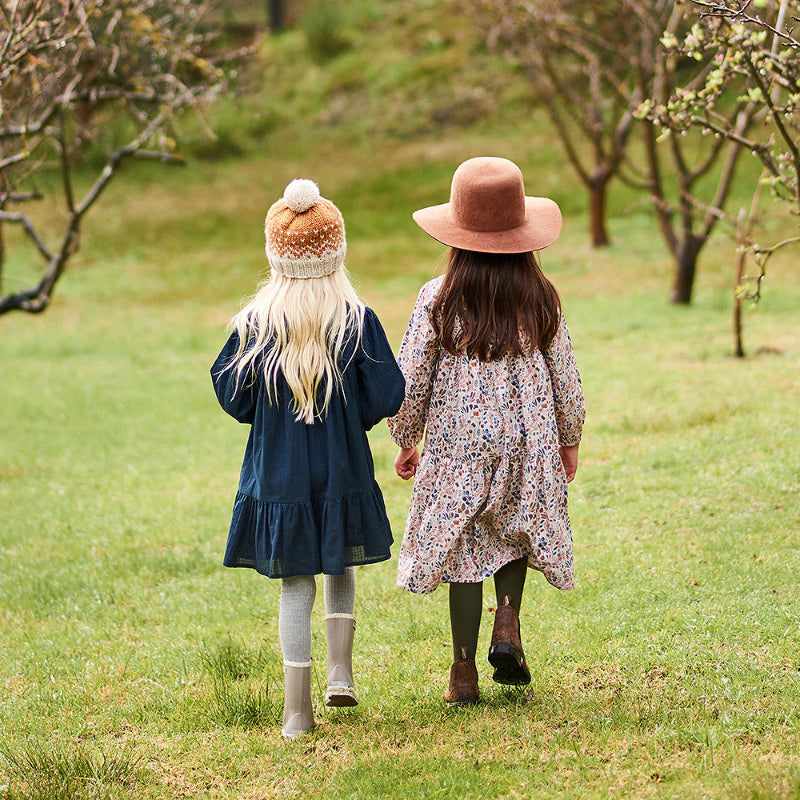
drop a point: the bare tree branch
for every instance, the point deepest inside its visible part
(25, 222)
(580, 61)
(63, 61)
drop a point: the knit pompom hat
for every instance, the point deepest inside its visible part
(305, 233)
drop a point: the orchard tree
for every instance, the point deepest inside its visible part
(580, 59)
(595, 66)
(70, 70)
(756, 57)
(689, 178)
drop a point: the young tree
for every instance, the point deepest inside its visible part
(689, 178)
(756, 57)
(592, 65)
(66, 68)
(580, 59)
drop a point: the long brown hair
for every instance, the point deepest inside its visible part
(495, 304)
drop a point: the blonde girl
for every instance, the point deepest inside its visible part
(309, 369)
(492, 384)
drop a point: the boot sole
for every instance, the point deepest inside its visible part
(341, 697)
(456, 703)
(509, 665)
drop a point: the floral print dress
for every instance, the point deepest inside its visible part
(490, 487)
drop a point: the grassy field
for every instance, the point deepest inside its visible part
(134, 665)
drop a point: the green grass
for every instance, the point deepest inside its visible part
(134, 665)
(66, 773)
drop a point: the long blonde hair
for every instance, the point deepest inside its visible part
(301, 326)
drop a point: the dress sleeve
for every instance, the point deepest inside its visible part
(418, 358)
(380, 382)
(237, 397)
(567, 390)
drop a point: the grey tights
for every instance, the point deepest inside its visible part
(466, 604)
(297, 600)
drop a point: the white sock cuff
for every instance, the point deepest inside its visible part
(297, 663)
(341, 616)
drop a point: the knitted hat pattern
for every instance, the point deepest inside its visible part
(305, 233)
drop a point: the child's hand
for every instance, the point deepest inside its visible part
(405, 465)
(569, 458)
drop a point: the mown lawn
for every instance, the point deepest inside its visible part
(134, 665)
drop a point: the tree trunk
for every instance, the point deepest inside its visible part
(738, 341)
(685, 268)
(275, 14)
(738, 338)
(2, 256)
(597, 214)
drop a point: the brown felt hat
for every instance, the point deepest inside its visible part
(488, 211)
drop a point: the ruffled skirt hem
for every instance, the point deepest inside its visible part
(470, 518)
(320, 536)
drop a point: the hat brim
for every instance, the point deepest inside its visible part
(540, 229)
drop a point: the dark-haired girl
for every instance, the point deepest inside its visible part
(491, 382)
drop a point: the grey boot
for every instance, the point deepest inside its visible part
(298, 713)
(340, 629)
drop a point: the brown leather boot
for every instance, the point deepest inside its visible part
(505, 653)
(463, 688)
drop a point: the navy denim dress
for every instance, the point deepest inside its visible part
(308, 502)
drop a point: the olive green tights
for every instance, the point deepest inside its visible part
(466, 604)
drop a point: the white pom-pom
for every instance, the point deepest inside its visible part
(301, 194)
